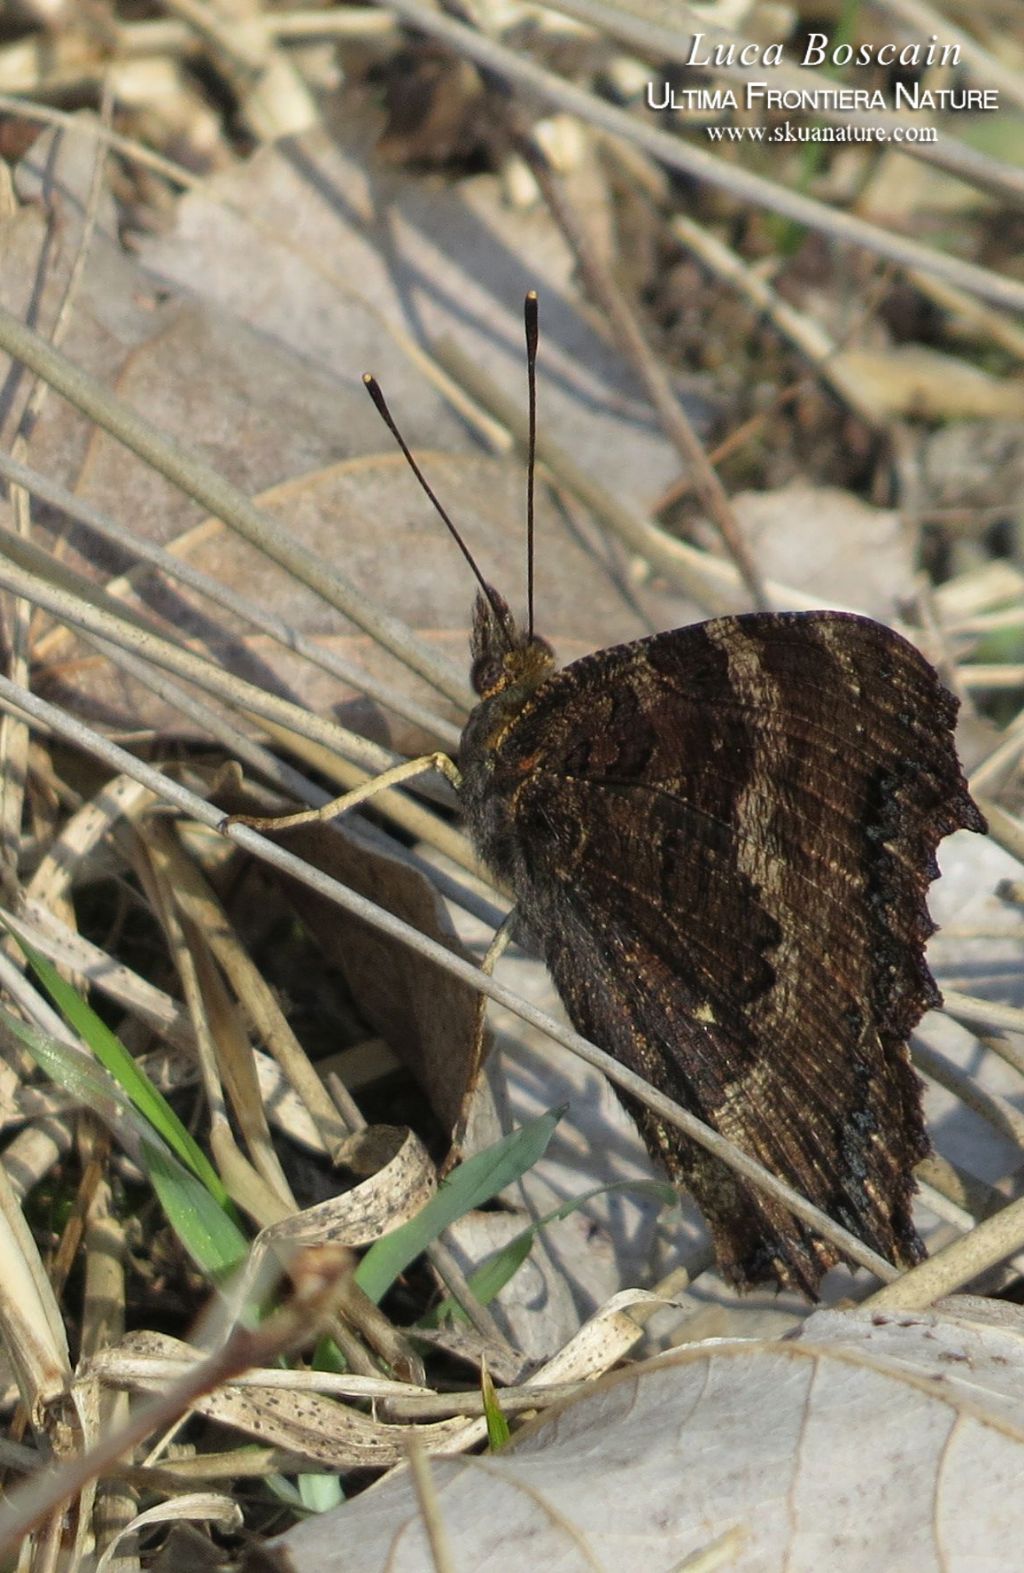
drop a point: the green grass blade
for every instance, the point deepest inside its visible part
(86, 1081)
(214, 1242)
(470, 1185)
(208, 1232)
(498, 1429)
(112, 1054)
(320, 1493)
(492, 1276)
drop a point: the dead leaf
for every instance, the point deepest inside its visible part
(831, 544)
(868, 1443)
(317, 1429)
(399, 1187)
(290, 424)
(350, 248)
(427, 1017)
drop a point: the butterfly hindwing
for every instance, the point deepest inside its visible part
(722, 838)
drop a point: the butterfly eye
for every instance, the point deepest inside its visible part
(488, 675)
(524, 666)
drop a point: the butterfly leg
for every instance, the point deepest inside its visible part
(406, 771)
(503, 934)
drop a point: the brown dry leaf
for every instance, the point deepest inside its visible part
(369, 513)
(778, 1443)
(347, 250)
(244, 371)
(429, 1018)
(248, 403)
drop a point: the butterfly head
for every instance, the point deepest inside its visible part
(505, 656)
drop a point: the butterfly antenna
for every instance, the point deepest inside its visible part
(372, 387)
(530, 318)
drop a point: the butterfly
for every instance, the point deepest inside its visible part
(720, 838)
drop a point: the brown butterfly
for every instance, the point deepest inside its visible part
(721, 840)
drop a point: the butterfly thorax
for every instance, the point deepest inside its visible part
(509, 665)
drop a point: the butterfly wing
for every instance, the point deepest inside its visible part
(723, 838)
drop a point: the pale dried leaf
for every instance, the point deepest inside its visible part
(448, 259)
(974, 465)
(322, 1431)
(290, 425)
(601, 1342)
(195, 1506)
(399, 1188)
(975, 951)
(901, 188)
(832, 545)
(781, 1441)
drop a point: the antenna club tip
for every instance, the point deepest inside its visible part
(372, 387)
(530, 322)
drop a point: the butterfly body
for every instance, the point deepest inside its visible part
(721, 838)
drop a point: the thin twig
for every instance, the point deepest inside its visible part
(295, 1322)
(13, 734)
(350, 758)
(429, 1502)
(806, 335)
(990, 1242)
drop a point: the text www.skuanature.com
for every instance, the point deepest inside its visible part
(791, 133)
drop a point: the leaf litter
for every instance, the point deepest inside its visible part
(241, 334)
